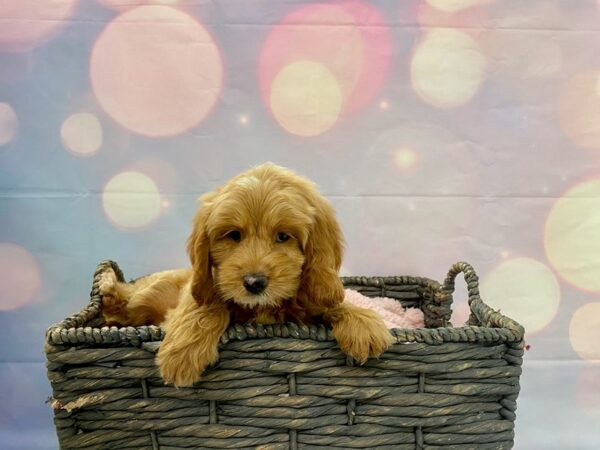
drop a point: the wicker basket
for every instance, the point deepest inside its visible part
(287, 386)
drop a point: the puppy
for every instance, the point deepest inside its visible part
(265, 247)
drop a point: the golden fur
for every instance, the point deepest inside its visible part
(266, 221)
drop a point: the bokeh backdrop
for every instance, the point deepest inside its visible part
(441, 130)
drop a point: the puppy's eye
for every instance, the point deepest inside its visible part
(282, 237)
(234, 235)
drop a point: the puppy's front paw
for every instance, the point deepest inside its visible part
(182, 367)
(361, 334)
(361, 346)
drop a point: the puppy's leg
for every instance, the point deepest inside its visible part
(191, 340)
(360, 332)
(144, 302)
(115, 296)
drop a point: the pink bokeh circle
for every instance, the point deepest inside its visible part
(156, 71)
(19, 276)
(27, 24)
(350, 38)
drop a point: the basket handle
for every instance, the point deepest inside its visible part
(471, 279)
(481, 313)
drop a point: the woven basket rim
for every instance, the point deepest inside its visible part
(489, 326)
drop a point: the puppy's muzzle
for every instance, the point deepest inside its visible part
(255, 283)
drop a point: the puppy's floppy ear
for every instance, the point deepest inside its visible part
(320, 285)
(198, 251)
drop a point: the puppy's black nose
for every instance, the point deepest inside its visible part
(255, 283)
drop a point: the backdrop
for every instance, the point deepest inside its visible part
(441, 130)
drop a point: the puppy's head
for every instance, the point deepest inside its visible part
(264, 237)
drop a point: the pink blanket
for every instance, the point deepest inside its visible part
(393, 313)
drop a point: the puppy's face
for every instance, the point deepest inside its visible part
(257, 231)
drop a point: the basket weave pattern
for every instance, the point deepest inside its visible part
(288, 386)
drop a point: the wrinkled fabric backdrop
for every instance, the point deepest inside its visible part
(441, 130)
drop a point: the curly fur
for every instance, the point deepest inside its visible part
(235, 233)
